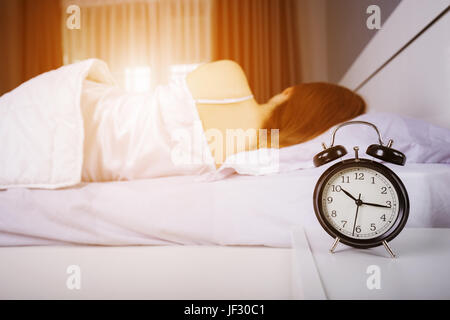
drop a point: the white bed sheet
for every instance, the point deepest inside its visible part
(240, 210)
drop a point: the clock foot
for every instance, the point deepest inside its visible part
(335, 243)
(388, 249)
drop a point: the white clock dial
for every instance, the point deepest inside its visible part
(360, 202)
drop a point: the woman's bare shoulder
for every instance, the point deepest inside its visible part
(213, 66)
(218, 80)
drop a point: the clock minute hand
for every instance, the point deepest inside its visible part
(375, 205)
(348, 194)
(356, 215)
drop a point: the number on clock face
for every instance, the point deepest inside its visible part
(378, 205)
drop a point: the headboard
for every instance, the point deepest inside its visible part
(405, 68)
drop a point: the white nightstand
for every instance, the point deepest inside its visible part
(420, 271)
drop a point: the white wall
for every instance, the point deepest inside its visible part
(416, 81)
(333, 33)
(347, 32)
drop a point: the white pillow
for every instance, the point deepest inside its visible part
(420, 141)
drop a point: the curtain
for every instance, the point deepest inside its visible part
(263, 37)
(42, 37)
(145, 42)
(31, 40)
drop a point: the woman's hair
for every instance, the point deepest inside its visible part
(311, 109)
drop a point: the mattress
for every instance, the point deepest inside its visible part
(239, 210)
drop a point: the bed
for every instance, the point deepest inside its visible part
(176, 237)
(239, 210)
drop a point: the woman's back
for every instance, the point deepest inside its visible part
(213, 85)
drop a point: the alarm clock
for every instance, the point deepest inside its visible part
(361, 202)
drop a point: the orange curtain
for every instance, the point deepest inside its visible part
(263, 37)
(30, 31)
(42, 37)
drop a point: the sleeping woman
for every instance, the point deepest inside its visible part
(191, 125)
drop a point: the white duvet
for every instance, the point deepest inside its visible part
(49, 139)
(41, 128)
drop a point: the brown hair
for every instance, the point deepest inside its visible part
(311, 109)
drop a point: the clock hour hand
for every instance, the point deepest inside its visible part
(375, 205)
(348, 194)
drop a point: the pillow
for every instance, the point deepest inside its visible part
(420, 141)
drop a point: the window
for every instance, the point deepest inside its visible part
(138, 79)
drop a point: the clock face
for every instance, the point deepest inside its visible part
(359, 202)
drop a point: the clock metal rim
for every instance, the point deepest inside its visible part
(403, 205)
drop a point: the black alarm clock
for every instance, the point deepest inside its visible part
(361, 202)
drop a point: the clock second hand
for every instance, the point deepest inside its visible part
(356, 215)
